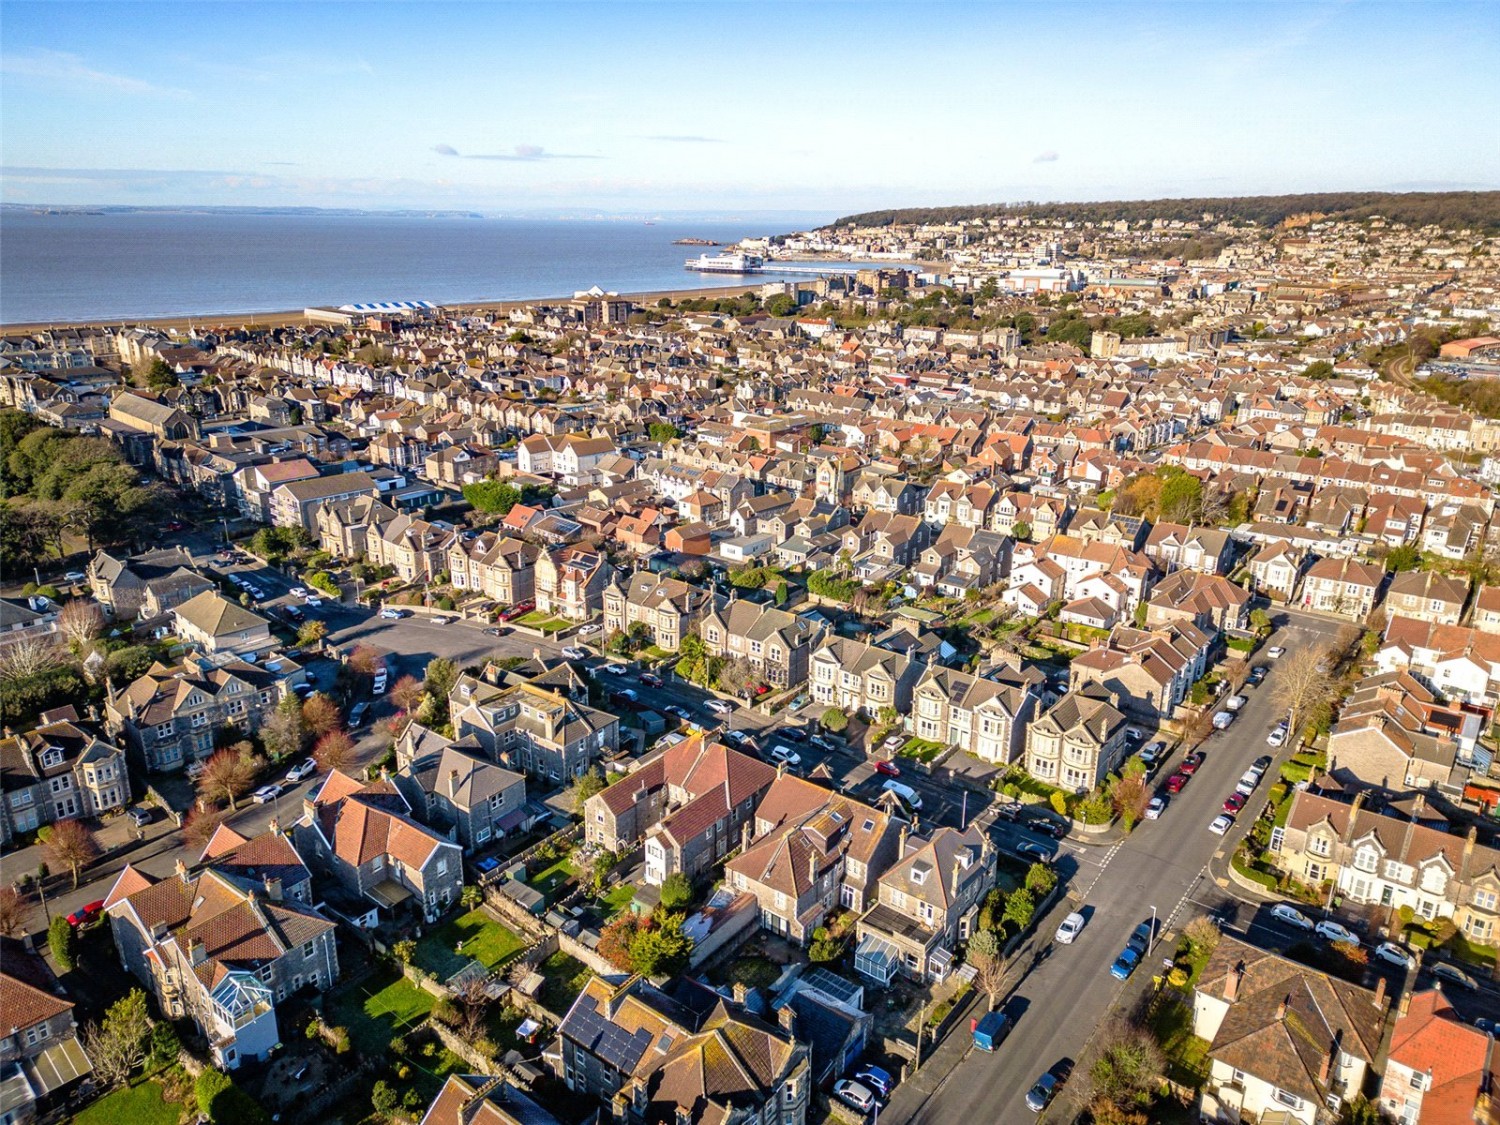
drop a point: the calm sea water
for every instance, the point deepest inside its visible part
(131, 265)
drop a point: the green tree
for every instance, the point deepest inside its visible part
(118, 1045)
(1020, 907)
(662, 949)
(472, 896)
(676, 891)
(589, 782)
(663, 432)
(61, 942)
(1040, 879)
(160, 377)
(405, 951)
(1260, 620)
(441, 676)
(1181, 497)
(783, 304)
(835, 720)
(384, 1098)
(1021, 530)
(1318, 369)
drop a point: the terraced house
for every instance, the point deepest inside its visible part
(499, 566)
(537, 732)
(1393, 863)
(986, 717)
(58, 771)
(775, 643)
(667, 607)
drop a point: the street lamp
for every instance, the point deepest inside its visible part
(1152, 944)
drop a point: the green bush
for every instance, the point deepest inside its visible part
(1059, 802)
(61, 941)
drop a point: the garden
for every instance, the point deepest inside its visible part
(543, 622)
(374, 1011)
(921, 749)
(473, 936)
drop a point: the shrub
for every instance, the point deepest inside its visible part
(61, 941)
(384, 1097)
(1059, 802)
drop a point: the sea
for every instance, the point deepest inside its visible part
(58, 267)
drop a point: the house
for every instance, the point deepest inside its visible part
(1427, 596)
(40, 1056)
(1209, 601)
(295, 503)
(473, 800)
(343, 527)
(706, 812)
(776, 644)
(500, 567)
(222, 951)
(830, 1018)
(860, 676)
(168, 716)
(1342, 586)
(146, 585)
(1392, 862)
(480, 1099)
(58, 771)
(1147, 672)
(1276, 571)
(810, 852)
(1393, 734)
(1174, 546)
(363, 835)
(1286, 1042)
(217, 625)
(987, 717)
(1487, 609)
(667, 607)
(532, 729)
(416, 549)
(1438, 1069)
(1078, 741)
(928, 901)
(570, 582)
(618, 817)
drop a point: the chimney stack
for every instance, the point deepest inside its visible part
(1281, 1010)
(741, 992)
(812, 868)
(787, 1017)
(1327, 1068)
(273, 888)
(957, 874)
(181, 869)
(744, 836)
(1232, 982)
(452, 783)
(1380, 993)
(901, 842)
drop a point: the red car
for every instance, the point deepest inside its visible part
(890, 769)
(85, 914)
(1176, 782)
(1190, 764)
(1234, 802)
(516, 611)
(650, 679)
(176, 525)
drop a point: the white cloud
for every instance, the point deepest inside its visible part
(525, 154)
(62, 68)
(1048, 157)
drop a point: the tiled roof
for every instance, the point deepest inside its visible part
(25, 1005)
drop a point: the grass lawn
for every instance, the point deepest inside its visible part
(618, 898)
(138, 1105)
(429, 1072)
(484, 940)
(653, 655)
(378, 1009)
(1187, 1055)
(536, 619)
(981, 617)
(549, 879)
(754, 972)
(565, 977)
(921, 749)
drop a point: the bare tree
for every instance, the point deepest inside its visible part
(334, 751)
(987, 956)
(30, 656)
(365, 660)
(473, 1001)
(80, 622)
(407, 693)
(1302, 685)
(71, 845)
(12, 911)
(285, 732)
(320, 714)
(199, 826)
(227, 775)
(118, 1045)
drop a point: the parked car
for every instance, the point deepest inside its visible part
(678, 712)
(1221, 824)
(1291, 916)
(85, 914)
(855, 1094)
(1234, 802)
(719, 707)
(140, 817)
(738, 737)
(313, 602)
(1222, 719)
(299, 592)
(589, 630)
(793, 734)
(1156, 806)
(294, 615)
(1040, 1096)
(520, 609)
(1142, 936)
(786, 754)
(990, 1030)
(1124, 964)
(1152, 754)
(572, 653)
(391, 614)
(824, 744)
(1393, 954)
(1191, 763)
(1257, 675)
(1177, 782)
(877, 1078)
(894, 742)
(1047, 827)
(888, 768)
(301, 770)
(912, 798)
(1277, 736)
(1452, 974)
(495, 631)
(1247, 783)
(76, 576)
(1261, 764)
(1033, 850)
(650, 679)
(1275, 652)
(1071, 927)
(266, 794)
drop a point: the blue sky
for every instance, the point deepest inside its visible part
(805, 106)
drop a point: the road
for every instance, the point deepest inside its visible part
(1068, 994)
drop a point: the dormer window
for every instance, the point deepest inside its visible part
(51, 757)
(1365, 859)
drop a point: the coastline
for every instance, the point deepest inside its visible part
(296, 317)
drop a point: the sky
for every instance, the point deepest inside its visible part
(725, 107)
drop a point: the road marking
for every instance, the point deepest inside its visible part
(1103, 863)
(1186, 895)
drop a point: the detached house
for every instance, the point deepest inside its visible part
(539, 732)
(58, 771)
(217, 625)
(928, 901)
(147, 585)
(363, 835)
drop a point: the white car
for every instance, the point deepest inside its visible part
(299, 592)
(738, 737)
(1330, 930)
(719, 707)
(894, 742)
(1276, 737)
(1235, 702)
(1071, 927)
(1291, 916)
(1275, 653)
(266, 794)
(786, 754)
(1222, 719)
(1248, 781)
(589, 630)
(573, 653)
(1393, 954)
(391, 614)
(1221, 824)
(312, 601)
(76, 576)
(856, 1094)
(301, 770)
(1155, 807)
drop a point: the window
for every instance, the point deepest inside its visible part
(36, 1033)
(164, 730)
(1319, 845)
(1365, 859)
(1485, 900)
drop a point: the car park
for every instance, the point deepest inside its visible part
(719, 707)
(1291, 916)
(86, 914)
(1235, 702)
(303, 769)
(1452, 974)
(888, 768)
(855, 1094)
(1124, 964)
(1071, 927)
(1177, 782)
(572, 653)
(877, 1078)
(1222, 719)
(786, 754)
(1221, 824)
(1276, 652)
(266, 794)
(140, 817)
(1234, 802)
(1156, 806)
(1393, 954)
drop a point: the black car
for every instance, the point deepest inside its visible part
(1047, 827)
(1257, 674)
(1263, 763)
(793, 734)
(1140, 937)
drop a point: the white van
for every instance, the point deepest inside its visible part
(912, 798)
